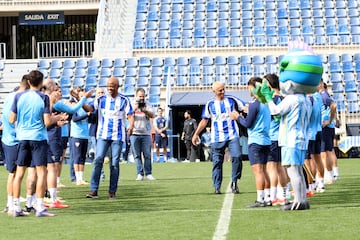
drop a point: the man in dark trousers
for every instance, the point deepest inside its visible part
(190, 125)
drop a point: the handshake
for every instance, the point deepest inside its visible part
(263, 92)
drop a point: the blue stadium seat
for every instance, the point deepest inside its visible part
(118, 72)
(104, 72)
(156, 71)
(129, 90)
(257, 59)
(199, 16)
(337, 87)
(78, 82)
(194, 80)
(106, 63)
(246, 6)
(195, 70)
(350, 86)
(233, 60)
(247, 14)
(211, 6)
(65, 92)
(235, 6)
(176, 8)
(294, 22)
(235, 15)
(187, 25)
(131, 62)
(259, 70)
(56, 64)
(334, 57)
(154, 100)
(270, 5)
(154, 90)
(349, 77)
(144, 71)
(271, 14)
(233, 80)
(194, 61)
(207, 70)
(65, 81)
(329, 13)
(181, 80)
(207, 61)
(294, 14)
(144, 62)
(138, 43)
(169, 61)
(54, 73)
(234, 69)
(44, 64)
(350, 96)
(163, 34)
(334, 67)
(141, 8)
(91, 71)
(129, 80)
(271, 22)
(67, 72)
(164, 16)
(335, 77)
(164, 25)
(200, 7)
(182, 61)
(207, 80)
(155, 81)
(142, 82)
(130, 72)
(282, 13)
(347, 66)
(43, 71)
(140, 26)
(70, 63)
(341, 13)
(165, 8)
(90, 81)
(306, 13)
(339, 96)
(188, 8)
(81, 63)
(259, 14)
(353, 107)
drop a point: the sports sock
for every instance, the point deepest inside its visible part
(10, 202)
(77, 177)
(298, 183)
(52, 194)
(260, 195)
(16, 202)
(81, 176)
(336, 171)
(29, 202)
(58, 180)
(267, 194)
(40, 204)
(273, 191)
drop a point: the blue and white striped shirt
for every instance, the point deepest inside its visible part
(112, 114)
(223, 127)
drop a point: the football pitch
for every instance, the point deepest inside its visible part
(180, 204)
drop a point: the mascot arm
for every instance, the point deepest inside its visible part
(282, 108)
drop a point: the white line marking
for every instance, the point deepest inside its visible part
(222, 226)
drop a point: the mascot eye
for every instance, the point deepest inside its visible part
(283, 65)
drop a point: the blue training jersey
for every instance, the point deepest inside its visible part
(8, 129)
(257, 123)
(79, 125)
(223, 127)
(325, 110)
(275, 124)
(30, 107)
(315, 125)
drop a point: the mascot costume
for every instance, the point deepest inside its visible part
(300, 73)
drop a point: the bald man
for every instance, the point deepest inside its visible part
(113, 108)
(224, 133)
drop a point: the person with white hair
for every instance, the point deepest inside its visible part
(224, 133)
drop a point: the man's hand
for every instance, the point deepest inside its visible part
(234, 115)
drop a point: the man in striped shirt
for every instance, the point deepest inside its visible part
(224, 133)
(113, 108)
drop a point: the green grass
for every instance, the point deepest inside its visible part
(180, 205)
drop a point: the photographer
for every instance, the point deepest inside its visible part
(140, 139)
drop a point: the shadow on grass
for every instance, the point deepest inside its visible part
(344, 193)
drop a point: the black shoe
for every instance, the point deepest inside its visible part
(112, 196)
(92, 194)
(295, 206)
(29, 209)
(47, 194)
(217, 191)
(256, 204)
(235, 188)
(268, 203)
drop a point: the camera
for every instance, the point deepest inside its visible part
(141, 104)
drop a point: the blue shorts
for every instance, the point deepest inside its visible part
(64, 142)
(314, 146)
(161, 142)
(32, 153)
(78, 150)
(327, 141)
(292, 156)
(275, 152)
(258, 154)
(11, 153)
(55, 151)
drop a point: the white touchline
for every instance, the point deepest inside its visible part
(222, 226)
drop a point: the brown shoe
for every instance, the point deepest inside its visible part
(111, 196)
(92, 194)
